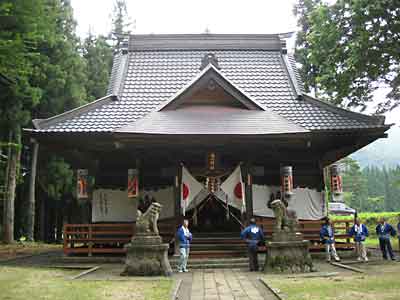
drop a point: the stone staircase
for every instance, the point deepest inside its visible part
(213, 263)
(217, 245)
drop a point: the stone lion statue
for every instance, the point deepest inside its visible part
(146, 223)
(279, 209)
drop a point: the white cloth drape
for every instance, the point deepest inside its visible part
(110, 205)
(309, 204)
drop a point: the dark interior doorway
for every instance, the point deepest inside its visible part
(212, 216)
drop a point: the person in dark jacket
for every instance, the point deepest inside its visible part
(398, 231)
(327, 236)
(185, 238)
(384, 231)
(359, 231)
(253, 235)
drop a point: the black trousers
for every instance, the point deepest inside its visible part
(386, 247)
(253, 258)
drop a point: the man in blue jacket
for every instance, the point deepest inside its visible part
(253, 235)
(384, 231)
(327, 236)
(398, 231)
(184, 238)
(359, 231)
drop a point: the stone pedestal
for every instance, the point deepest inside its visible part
(147, 256)
(288, 256)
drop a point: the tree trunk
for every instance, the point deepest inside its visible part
(31, 195)
(12, 175)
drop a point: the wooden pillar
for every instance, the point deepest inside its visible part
(248, 192)
(177, 194)
(31, 194)
(177, 204)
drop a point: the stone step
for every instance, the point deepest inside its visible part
(196, 261)
(234, 234)
(214, 266)
(217, 253)
(209, 263)
(220, 240)
(228, 247)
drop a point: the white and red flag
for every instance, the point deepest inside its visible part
(233, 187)
(190, 188)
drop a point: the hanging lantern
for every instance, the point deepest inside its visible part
(287, 181)
(211, 161)
(336, 183)
(82, 184)
(133, 183)
(212, 184)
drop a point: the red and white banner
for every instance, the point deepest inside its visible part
(190, 188)
(82, 184)
(233, 187)
(133, 183)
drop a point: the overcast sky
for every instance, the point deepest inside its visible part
(190, 16)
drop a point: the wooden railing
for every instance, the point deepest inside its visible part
(106, 238)
(91, 239)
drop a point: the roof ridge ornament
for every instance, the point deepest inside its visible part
(209, 58)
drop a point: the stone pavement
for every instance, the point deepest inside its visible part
(227, 284)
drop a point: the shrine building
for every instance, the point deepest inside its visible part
(203, 124)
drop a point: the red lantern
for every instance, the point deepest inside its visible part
(133, 183)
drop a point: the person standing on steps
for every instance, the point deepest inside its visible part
(184, 238)
(359, 231)
(327, 236)
(253, 235)
(384, 230)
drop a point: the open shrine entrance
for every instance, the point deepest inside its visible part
(213, 215)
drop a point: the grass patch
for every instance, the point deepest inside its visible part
(36, 283)
(380, 284)
(25, 248)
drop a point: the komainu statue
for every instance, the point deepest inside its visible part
(146, 255)
(280, 213)
(146, 223)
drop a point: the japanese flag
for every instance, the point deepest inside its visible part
(190, 188)
(233, 187)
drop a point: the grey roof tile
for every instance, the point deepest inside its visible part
(144, 78)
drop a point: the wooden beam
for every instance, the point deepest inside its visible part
(248, 192)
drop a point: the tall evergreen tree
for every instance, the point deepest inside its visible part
(98, 55)
(121, 22)
(26, 28)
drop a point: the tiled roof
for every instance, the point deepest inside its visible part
(197, 120)
(149, 74)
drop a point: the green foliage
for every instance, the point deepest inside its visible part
(61, 70)
(98, 55)
(56, 178)
(371, 189)
(19, 38)
(121, 22)
(347, 47)
(354, 184)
